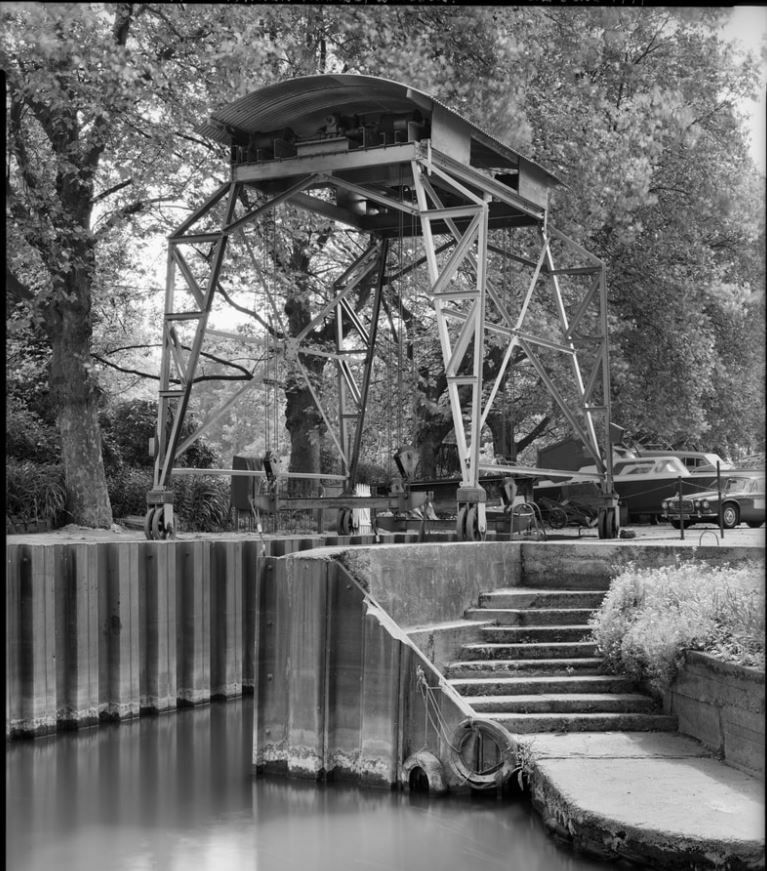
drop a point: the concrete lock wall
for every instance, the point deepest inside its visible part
(722, 706)
(339, 686)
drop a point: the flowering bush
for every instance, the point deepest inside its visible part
(649, 617)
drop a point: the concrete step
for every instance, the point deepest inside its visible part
(526, 617)
(529, 597)
(549, 683)
(562, 667)
(534, 634)
(566, 703)
(550, 650)
(526, 723)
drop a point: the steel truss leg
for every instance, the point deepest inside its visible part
(461, 369)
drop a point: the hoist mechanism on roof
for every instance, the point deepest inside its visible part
(383, 162)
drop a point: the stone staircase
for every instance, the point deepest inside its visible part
(535, 669)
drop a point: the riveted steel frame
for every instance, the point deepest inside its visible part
(466, 311)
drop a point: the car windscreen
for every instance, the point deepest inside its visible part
(736, 485)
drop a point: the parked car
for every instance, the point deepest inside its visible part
(743, 501)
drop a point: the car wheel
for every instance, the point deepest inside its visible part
(676, 524)
(730, 516)
(755, 524)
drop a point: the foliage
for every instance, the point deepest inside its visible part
(634, 109)
(28, 436)
(649, 617)
(127, 490)
(639, 116)
(202, 502)
(35, 492)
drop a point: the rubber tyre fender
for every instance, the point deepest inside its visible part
(492, 777)
(431, 767)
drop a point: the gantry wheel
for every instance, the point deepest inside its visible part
(460, 524)
(159, 529)
(148, 522)
(344, 522)
(607, 523)
(472, 531)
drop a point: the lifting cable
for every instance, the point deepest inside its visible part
(491, 777)
(400, 234)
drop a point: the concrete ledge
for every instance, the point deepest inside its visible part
(655, 799)
(722, 705)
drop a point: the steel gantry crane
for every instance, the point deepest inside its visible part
(386, 161)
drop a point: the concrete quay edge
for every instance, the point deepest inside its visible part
(653, 799)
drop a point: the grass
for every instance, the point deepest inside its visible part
(650, 617)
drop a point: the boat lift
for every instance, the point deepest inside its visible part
(390, 163)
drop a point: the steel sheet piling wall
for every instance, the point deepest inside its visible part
(306, 622)
(77, 636)
(118, 631)
(271, 664)
(344, 674)
(157, 627)
(379, 730)
(336, 680)
(31, 651)
(193, 583)
(226, 619)
(109, 630)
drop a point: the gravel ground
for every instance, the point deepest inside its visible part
(662, 533)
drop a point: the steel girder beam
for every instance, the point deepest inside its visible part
(449, 198)
(179, 364)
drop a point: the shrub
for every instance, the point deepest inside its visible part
(127, 490)
(28, 436)
(202, 502)
(126, 428)
(649, 617)
(35, 492)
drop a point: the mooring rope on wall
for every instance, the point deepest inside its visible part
(492, 777)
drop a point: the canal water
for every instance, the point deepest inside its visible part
(176, 793)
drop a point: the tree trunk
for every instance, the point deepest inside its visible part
(429, 443)
(502, 429)
(74, 394)
(305, 425)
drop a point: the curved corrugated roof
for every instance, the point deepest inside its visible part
(302, 104)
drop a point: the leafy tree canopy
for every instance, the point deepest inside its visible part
(635, 109)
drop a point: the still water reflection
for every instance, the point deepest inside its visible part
(176, 792)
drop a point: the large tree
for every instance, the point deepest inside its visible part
(635, 110)
(639, 114)
(101, 103)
